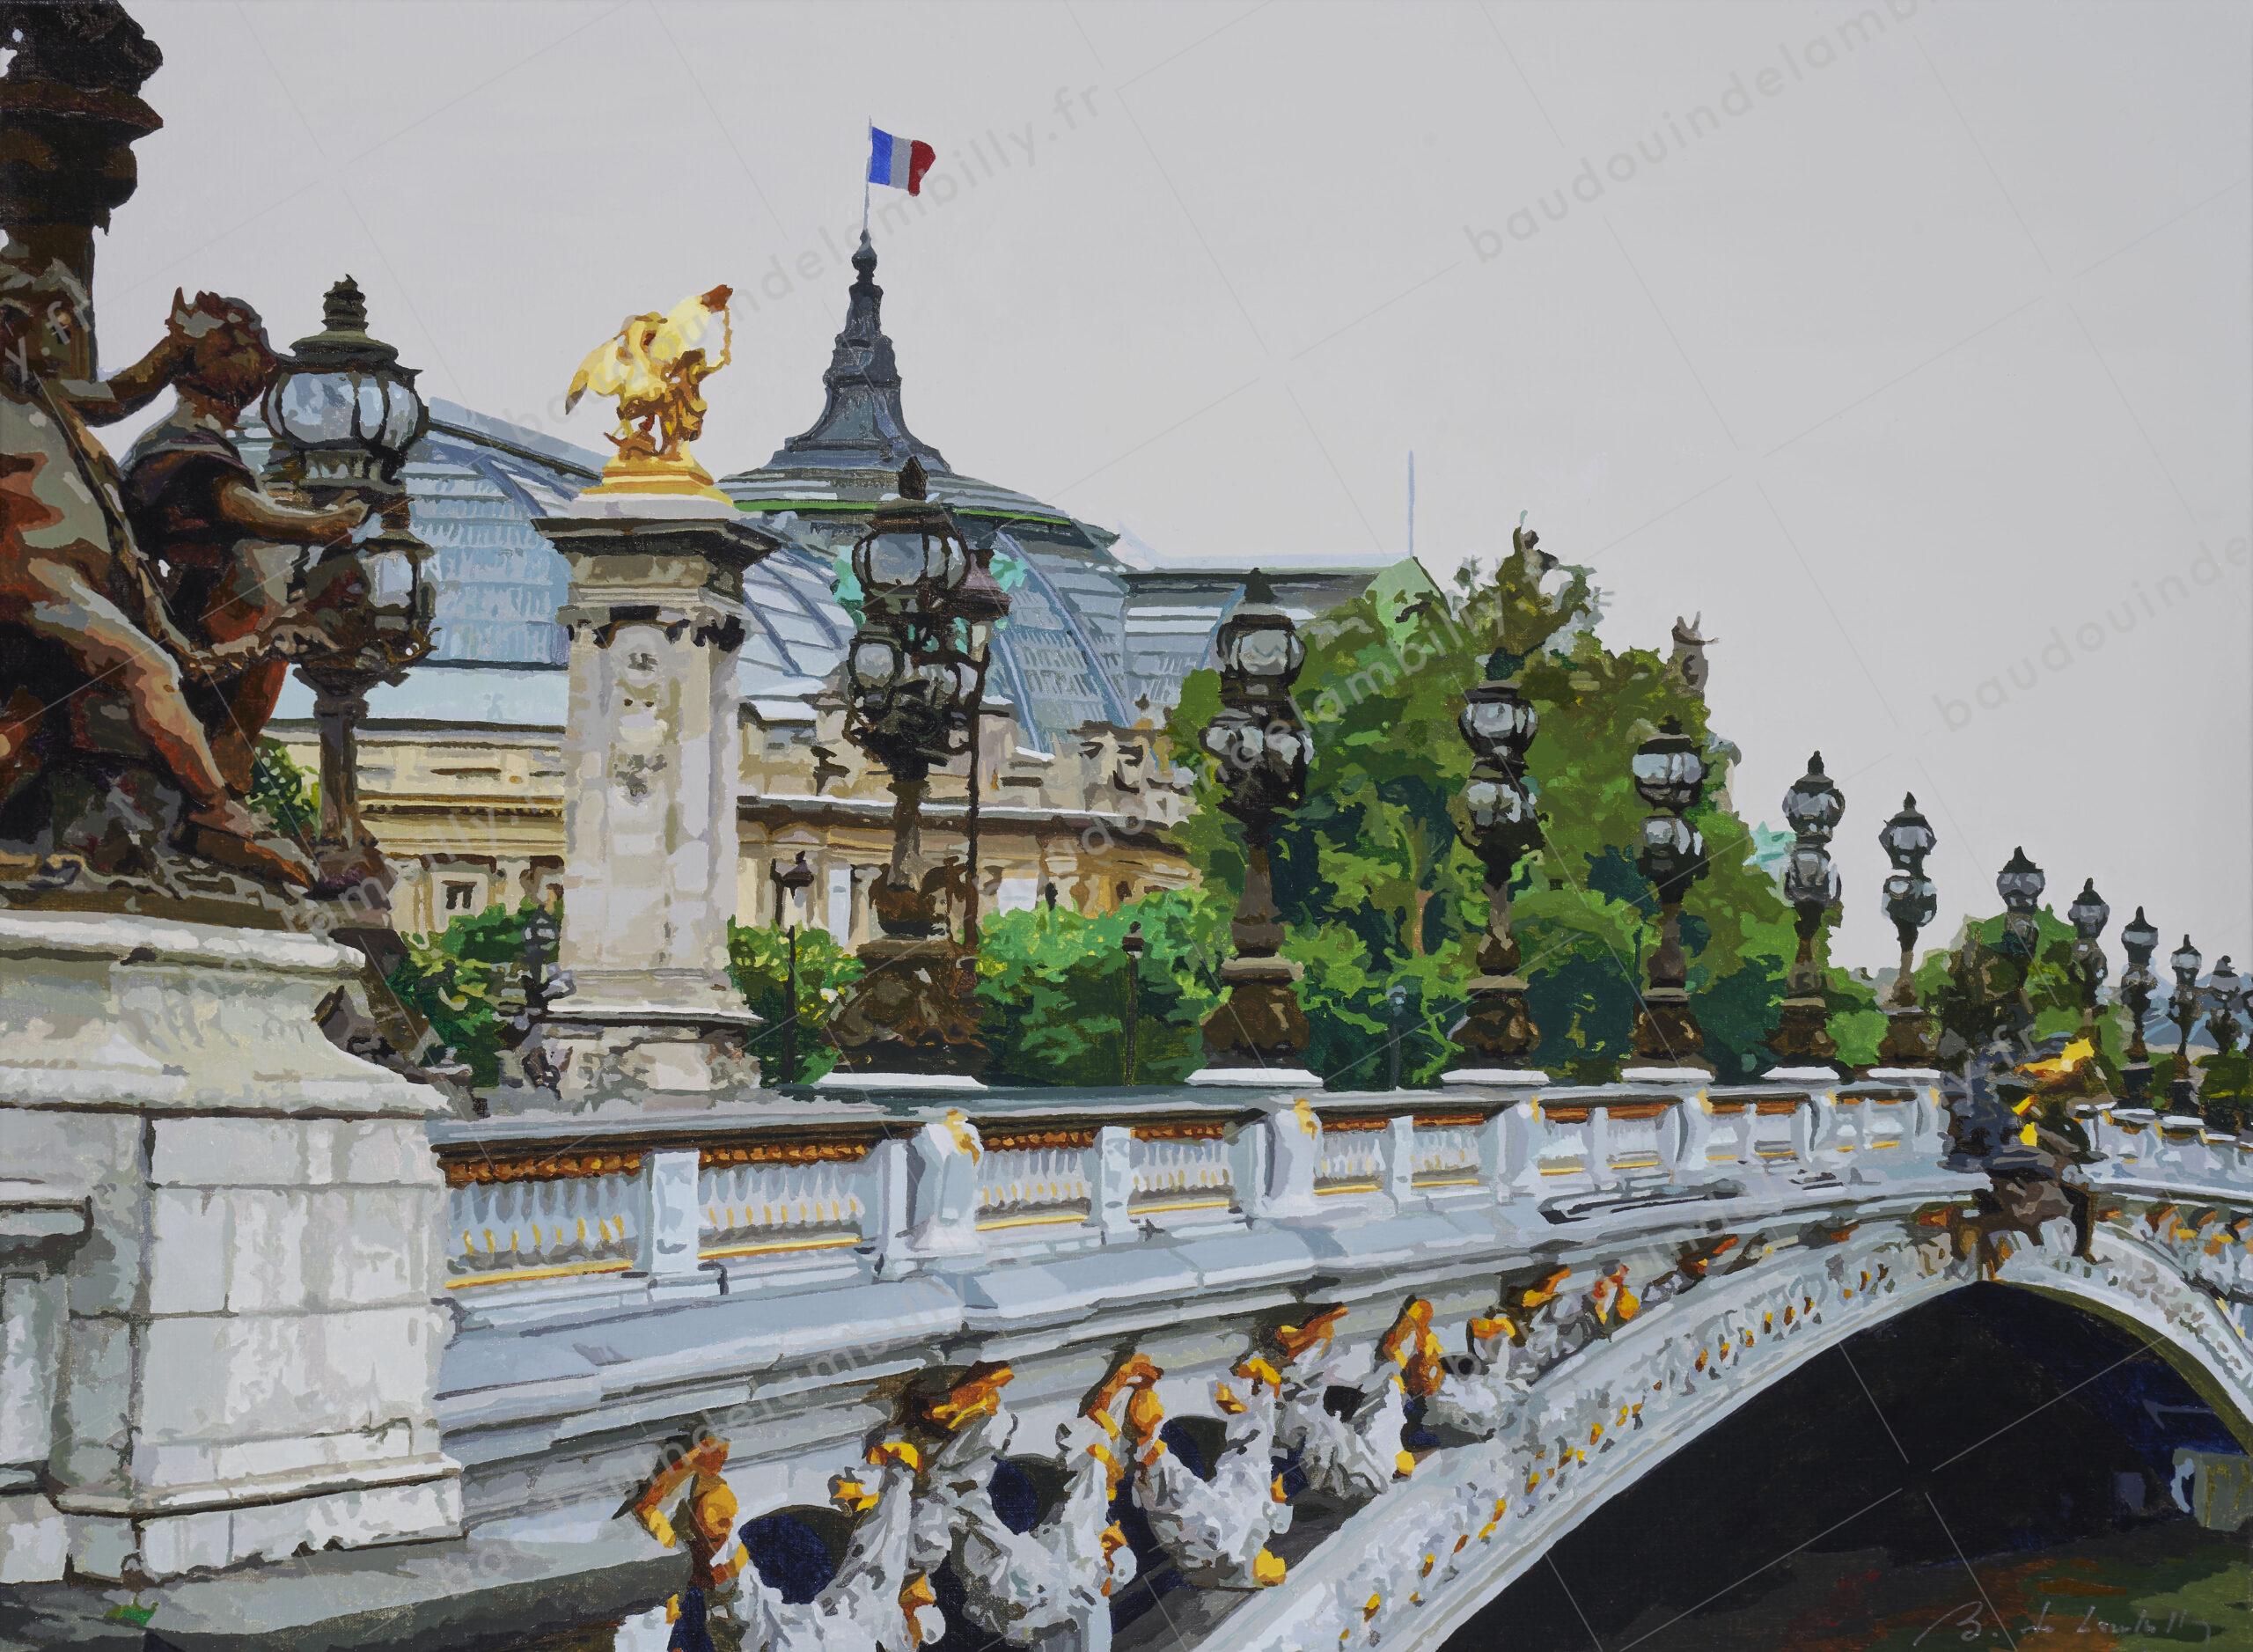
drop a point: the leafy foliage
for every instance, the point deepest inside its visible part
(2053, 990)
(466, 981)
(286, 796)
(1377, 888)
(1051, 989)
(759, 961)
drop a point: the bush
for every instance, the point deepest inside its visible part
(466, 981)
(1052, 990)
(759, 959)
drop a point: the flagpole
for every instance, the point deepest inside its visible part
(865, 176)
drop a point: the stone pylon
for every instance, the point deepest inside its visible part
(651, 770)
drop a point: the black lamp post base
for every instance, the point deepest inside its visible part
(2183, 1095)
(1259, 1024)
(1496, 1029)
(910, 1011)
(1908, 1040)
(1667, 1034)
(1802, 1036)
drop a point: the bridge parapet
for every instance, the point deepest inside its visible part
(565, 1214)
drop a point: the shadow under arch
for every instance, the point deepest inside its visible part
(1849, 1500)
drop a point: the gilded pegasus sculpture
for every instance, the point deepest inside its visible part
(655, 366)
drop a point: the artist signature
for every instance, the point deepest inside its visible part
(1973, 1624)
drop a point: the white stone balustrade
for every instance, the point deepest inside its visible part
(775, 1199)
(520, 1221)
(1035, 1179)
(1176, 1169)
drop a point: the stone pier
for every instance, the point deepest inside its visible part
(220, 1338)
(650, 762)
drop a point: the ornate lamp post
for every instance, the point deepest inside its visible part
(1813, 806)
(790, 881)
(2139, 940)
(344, 415)
(2089, 915)
(1670, 775)
(1132, 946)
(2224, 992)
(1262, 748)
(2020, 883)
(914, 676)
(1498, 724)
(2182, 1010)
(1910, 900)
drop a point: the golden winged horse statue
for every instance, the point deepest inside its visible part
(655, 366)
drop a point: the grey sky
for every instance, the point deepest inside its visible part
(1910, 343)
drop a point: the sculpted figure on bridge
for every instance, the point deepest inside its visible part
(1024, 1585)
(1217, 1530)
(103, 759)
(1355, 1457)
(1476, 1394)
(877, 1601)
(231, 551)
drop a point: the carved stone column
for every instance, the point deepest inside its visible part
(650, 776)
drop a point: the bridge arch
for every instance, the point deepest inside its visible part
(1409, 1569)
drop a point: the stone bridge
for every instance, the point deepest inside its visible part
(1242, 1365)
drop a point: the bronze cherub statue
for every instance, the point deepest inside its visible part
(105, 758)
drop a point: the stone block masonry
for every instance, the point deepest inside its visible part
(236, 1327)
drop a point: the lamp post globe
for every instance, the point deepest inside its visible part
(2225, 993)
(2089, 915)
(914, 681)
(1498, 723)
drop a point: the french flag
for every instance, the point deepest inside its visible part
(899, 162)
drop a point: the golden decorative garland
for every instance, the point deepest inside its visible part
(720, 1156)
(1007, 1141)
(552, 1167)
(1182, 1130)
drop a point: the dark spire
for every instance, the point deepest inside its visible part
(860, 423)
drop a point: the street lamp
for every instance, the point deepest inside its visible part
(2182, 1010)
(1813, 807)
(2089, 915)
(1670, 775)
(1498, 724)
(1261, 750)
(1911, 902)
(790, 881)
(2139, 940)
(344, 415)
(914, 677)
(2224, 990)
(1132, 945)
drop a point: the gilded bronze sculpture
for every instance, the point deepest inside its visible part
(657, 366)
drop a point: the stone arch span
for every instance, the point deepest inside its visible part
(1408, 1568)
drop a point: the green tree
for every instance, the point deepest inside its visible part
(1377, 889)
(2053, 990)
(759, 961)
